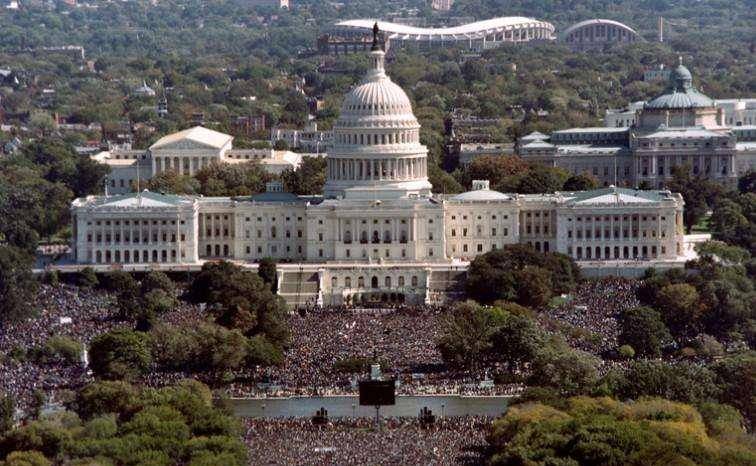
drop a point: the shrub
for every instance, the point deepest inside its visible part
(87, 278)
(626, 351)
(63, 348)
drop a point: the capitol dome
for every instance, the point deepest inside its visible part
(376, 150)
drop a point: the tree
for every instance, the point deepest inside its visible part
(156, 280)
(120, 354)
(267, 271)
(442, 181)
(580, 182)
(120, 283)
(240, 299)
(494, 275)
(308, 179)
(17, 284)
(106, 396)
(87, 278)
(695, 190)
(169, 181)
(729, 224)
(736, 377)
(63, 348)
(220, 349)
(533, 286)
(682, 381)
(280, 144)
(7, 413)
(466, 332)
(26, 458)
(642, 328)
(261, 352)
(128, 425)
(542, 179)
(517, 340)
(502, 172)
(602, 431)
(680, 307)
(569, 371)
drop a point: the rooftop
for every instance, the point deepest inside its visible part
(591, 129)
(197, 134)
(145, 199)
(685, 132)
(615, 195)
(464, 32)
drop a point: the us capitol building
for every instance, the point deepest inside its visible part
(377, 232)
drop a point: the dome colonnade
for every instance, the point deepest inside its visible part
(377, 142)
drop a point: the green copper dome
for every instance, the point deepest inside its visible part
(680, 93)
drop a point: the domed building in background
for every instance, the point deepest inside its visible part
(378, 232)
(640, 146)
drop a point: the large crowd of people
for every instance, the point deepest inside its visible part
(328, 351)
(588, 318)
(449, 440)
(78, 313)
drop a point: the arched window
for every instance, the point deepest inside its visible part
(374, 282)
(413, 281)
(272, 232)
(401, 280)
(387, 236)
(387, 282)
(364, 237)
(348, 282)
(403, 236)
(334, 282)
(361, 282)
(348, 237)
(376, 237)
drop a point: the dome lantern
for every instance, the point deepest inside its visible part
(376, 140)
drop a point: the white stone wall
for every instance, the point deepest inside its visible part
(128, 236)
(473, 228)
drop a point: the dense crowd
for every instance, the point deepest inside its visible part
(328, 350)
(450, 440)
(63, 310)
(327, 343)
(588, 318)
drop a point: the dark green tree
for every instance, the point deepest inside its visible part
(17, 285)
(643, 329)
(120, 354)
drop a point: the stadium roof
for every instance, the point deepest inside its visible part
(588, 22)
(464, 32)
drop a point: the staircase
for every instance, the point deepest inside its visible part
(445, 285)
(299, 288)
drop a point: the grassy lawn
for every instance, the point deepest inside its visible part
(703, 225)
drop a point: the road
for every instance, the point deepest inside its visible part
(340, 406)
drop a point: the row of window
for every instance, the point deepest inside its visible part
(139, 237)
(479, 231)
(625, 218)
(493, 217)
(615, 235)
(374, 282)
(135, 222)
(145, 256)
(626, 252)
